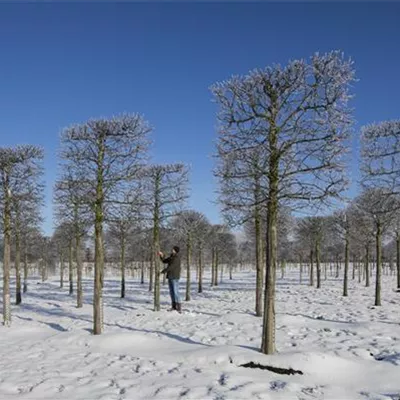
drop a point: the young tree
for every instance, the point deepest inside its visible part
(17, 165)
(108, 153)
(299, 116)
(166, 191)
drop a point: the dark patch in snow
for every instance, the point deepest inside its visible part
(277, 370)
(277, 385)
(222, 380)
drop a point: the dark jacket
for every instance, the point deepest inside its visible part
(173, 269)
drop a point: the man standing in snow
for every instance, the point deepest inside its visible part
(173, 271)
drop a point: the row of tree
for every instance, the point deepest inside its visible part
(283, 140)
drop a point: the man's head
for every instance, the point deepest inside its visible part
(175, 250)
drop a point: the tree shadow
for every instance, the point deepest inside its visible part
(167, 334)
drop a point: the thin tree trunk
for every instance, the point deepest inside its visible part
(151, 270)
(18, 298)
(216, 267)
(61, 270)
(398, 259)
(71, 276)
(268, 334)
(378, 264)
(188, 261)
(25, 270)
(156, 243)
(98, 311)
(78, 256)
(318, 262)
(200, 270)
(367, 272)
(346, 266)
(6, 251)
(259, 267)
(301, 270)
(311, 268)
(123, 266)
(142, 273)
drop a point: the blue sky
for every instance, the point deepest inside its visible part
(65, 63)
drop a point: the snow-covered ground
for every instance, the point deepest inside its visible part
(345, 347)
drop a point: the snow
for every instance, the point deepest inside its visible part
(345, 347)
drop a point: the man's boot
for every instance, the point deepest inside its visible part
(173, 307)
(179, 308)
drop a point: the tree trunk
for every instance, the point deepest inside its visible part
(378, 264)
(259, 259)
(398, 259)
(268, 335)
(142, 273)
(318, 262)
(213, 267)
(79, 289)
(25, 270)
(188, 261)
(156, 243)
(122, 266)
(346, 266)
(151, 270)
(18, 298)
(6, 251)
(61, 270)
(301, 269)
(216, 267)
(200, 270)
(71, 275)
(98, 311)
(311, 268)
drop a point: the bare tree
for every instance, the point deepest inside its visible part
(187, 225)
(312, 230)
(380, 167)
(17, 165)
(108, 153)
(166, 191)
(72, 208)
(380, 208)
(299, 116)
(124, 218)
(243, 185)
